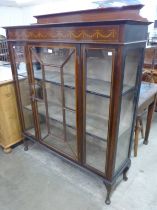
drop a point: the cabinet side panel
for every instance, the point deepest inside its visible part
(132, 71)
(135, 33)
(23, 86)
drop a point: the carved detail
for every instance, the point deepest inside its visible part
(101, 34)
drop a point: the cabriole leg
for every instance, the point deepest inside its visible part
(109, 189)
(125, 178)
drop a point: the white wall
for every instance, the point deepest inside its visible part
(21, 16)
(149, 11)
(55, 7)
(10, 16)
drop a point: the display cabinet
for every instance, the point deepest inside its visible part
(80, 72)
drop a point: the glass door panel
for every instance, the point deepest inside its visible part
(55, 95)
(99, 64)
(132, 63)
(24, 88)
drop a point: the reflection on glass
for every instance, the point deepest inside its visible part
(24, 88)
(53, 60)
(131, 67)
(20, 60)
(99, 67)
(54, 73)
(127, 106)
(126, 112)
(126, 117)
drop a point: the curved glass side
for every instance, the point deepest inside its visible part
(131, 68)
(24, 88)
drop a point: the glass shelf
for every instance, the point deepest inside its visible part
(94, 86)
(98, 130)
(67, 147)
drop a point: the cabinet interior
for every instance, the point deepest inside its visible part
(54, 80)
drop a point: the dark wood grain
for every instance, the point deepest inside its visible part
(126, 12)
(113, 31)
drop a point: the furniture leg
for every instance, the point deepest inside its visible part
(125, 178)
(142, 130)
(149, 120)
(137, 127)
(109, 189)
(7, 150)
(25, 144)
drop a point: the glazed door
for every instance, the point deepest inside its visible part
(54, 71)
(98, 68)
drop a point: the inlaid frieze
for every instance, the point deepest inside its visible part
(101, 34)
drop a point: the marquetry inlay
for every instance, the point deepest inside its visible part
(60, 34)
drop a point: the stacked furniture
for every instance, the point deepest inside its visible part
(4, 54)
(150, 65)
(150, 58)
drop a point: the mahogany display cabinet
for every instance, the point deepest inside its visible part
(77, 80)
